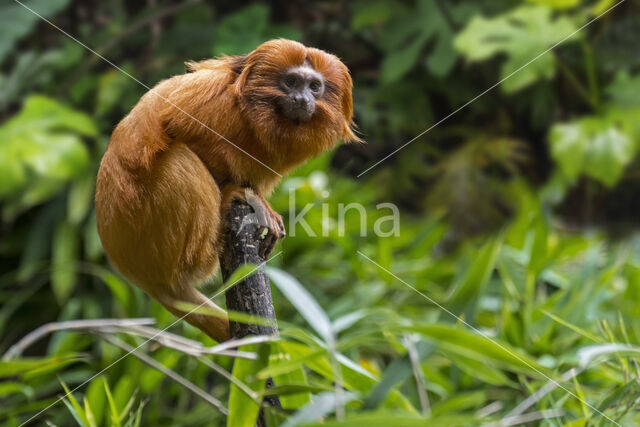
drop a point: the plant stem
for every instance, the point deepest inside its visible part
(590, 69)
(576, 84)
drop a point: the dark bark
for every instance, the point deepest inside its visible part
(253, 294)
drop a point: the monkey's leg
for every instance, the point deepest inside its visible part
(195, 227)
(166, 240)
(270, 224)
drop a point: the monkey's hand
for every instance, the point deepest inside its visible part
(269, 223)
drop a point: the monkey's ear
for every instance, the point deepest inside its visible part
(240, 66)
(238, 62)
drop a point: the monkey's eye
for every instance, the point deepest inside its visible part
(290, 80)
(315, 85)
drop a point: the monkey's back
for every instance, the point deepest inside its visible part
(157, 206)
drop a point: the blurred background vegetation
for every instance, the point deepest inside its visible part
(518, 213)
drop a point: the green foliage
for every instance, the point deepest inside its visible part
(17, 22)
(523, 35)
(624, 90)
(41, 149)
(595, 146)
(64, 254)
(243, 409)
(407, 35)
(493, 319)
(241, 32)
(603, 145)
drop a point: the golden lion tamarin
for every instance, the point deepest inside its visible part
(192, 144)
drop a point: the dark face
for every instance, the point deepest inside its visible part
(302, 87)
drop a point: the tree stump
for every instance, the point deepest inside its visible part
(253, 294)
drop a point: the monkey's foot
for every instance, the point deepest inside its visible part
(270, 224)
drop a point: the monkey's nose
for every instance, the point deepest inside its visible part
(300, 101)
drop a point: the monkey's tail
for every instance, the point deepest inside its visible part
(199, 311)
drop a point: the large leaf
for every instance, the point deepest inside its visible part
(522, 35)
(243, 410)
(302, 301)
(293, 379)
(408, 34)
(624, 90)
(597, 146)
(40, 150)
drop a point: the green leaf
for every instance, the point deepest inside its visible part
(630, 389)
(353, 376)
(407, 35)
(474, 281)
(112, 87)
(76, 409)
(596, 146)
(113, 409)
(398, 63)
(24, 366)
(460, 402)
(80, 198)
(151, 379)
(478, 347)
(36, 249)
(297, 380)
(243, 410)
(322, 405)
(91, 419)
(121, 291)
(557, 4)
(74, 413)
(41, 149)
(398, 418)
(479, 369)
(371, 13)
(123, 392)
(240, 273)
(573, 327)
(92, 244)
(9, 388)
(64, 255)
(302, 301)
(521, 34)
(396, 372)
(96, 398)
(624, 90)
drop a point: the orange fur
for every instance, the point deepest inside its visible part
(164, 175)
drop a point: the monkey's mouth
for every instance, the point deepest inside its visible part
(300, 114)
(297, 112)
